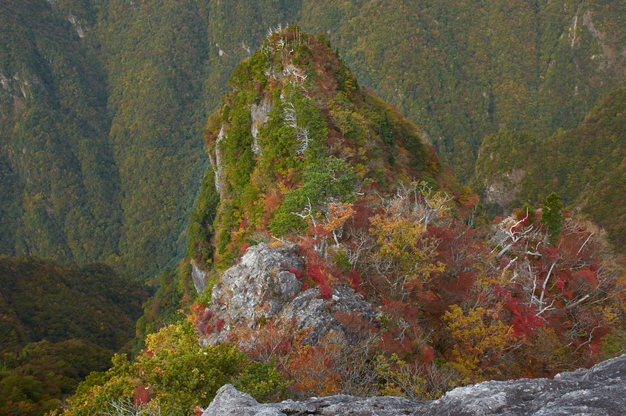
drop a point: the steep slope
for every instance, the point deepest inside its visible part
(41, 299)
(295, 139)
(120, 114)
(141, 77)
(58, 178)
(585, 166)
(57, 325)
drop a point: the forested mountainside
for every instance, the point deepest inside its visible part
(464, 69)
(585, 166)
(58, 324)
(59, 182)
(103, 101)
(350, 261)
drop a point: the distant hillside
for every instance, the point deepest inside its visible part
(41, 299)
(58, 178)
(585, 166)
(58, 324)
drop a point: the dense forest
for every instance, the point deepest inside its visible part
(585, 166)
(103, 102)
(58, 324)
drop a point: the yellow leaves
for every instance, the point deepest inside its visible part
(404, 379)
(397, 235)
(478, 336)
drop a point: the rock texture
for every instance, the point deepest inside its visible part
(230, 401)
(593, 392)
(199, 279)
(264, 285)
(258, 116)
(505, 189)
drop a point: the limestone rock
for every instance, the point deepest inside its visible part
(311, 311)
(594, 392)
(263, 286)
(258, 116)
(258, 286)
(505, 189)
(229, 401)
(199, 279)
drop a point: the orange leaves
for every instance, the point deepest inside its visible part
(312, 369)
(338, 214)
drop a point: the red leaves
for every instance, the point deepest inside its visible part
(219, 325)
(243, 248)
(142, 395)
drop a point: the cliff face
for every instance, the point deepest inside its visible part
(595, 391)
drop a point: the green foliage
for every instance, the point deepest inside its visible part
(584, 166)
(174, 295)
(181, 375)
(44, 300)
(100, 139)
(59, 323)
(57, 172)
(462, 70)
(201, 222)
(321, 183)
(551, 216)
(294, 134)
(35, 380)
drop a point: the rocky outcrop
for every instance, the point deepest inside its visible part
(230, 401)
(505, 189)
(259, 286)
(199, 279)
(311, 311)
(265, 285)
(258, 116)
(593, 392)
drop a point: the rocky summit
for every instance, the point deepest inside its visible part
(593, 392)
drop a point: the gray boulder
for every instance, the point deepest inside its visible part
(311, 311)
(199, 279)
(599, 391)
(230, 401)
(258, 286)
(263, 286)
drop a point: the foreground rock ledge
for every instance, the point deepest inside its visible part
(600, 390)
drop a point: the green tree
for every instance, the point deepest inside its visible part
(552, 217)
(182, 375)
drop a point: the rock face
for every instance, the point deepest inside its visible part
(593, 392)
(264, 285)
(199, 279)
(259, 285)
(506, 189)
(311, 311)
(258, 116)
(230, 401)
